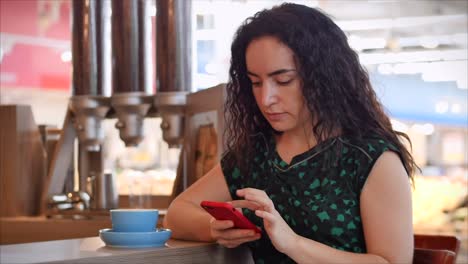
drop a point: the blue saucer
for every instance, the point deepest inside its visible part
(156, 238)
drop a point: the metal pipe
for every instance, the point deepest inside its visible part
(91, 70)
(173, 45)
(173, 52)
(132, 87)
(83, 48)
(131, 43)
(103, 47)
(165, 46)
(145, 47)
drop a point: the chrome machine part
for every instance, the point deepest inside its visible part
(103, 189)
(173, 53)
(171, 107)
(131, 47)
(89, 111)
(91, 48)
(132, 86)
(130, 109)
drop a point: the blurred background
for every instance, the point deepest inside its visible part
(415, 52)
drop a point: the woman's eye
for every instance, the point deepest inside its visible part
(284, 82)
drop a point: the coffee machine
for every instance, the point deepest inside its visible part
(112, 78)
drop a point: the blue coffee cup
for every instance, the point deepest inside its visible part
(134, 220)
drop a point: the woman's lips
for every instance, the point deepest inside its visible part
(275, 116)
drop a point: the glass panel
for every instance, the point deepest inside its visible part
(150, 168)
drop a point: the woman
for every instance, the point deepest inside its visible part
(312, 158)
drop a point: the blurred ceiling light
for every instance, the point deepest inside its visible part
(66, 56)
(385, 69)
(456, 108)
(360, 44)
(426, 129)
(409, 68)
(463, 83)
(433, 41)
(413, 56)
(461, 38)
(437, 71)
(445, 71)
(429, 42)
(401, 22)
(441, 107)
(399, 126)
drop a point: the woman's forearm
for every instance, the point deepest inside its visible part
(188, 221)
(309, 251)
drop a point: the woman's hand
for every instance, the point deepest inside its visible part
(223, 232)
(281, 235)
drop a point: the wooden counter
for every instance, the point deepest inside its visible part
(26, 229)
(93, 250)
(15, 230)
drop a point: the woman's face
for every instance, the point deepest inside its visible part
(276, 85)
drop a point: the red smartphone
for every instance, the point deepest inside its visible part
(225, 211)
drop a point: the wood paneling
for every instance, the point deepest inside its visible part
(209, 102)
(14, 230)
(22, 162)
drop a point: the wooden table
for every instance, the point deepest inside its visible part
(93, 250)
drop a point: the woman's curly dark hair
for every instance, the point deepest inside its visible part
(335, 85)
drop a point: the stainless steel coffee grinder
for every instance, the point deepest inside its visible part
(112, 78)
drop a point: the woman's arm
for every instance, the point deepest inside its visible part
(386, 210)
(386, 214)
(186, 218)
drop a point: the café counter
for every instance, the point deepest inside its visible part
(93, 250)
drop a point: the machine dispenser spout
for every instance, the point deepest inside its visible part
(132, 89)
(89, 112)
(131, 108)
(91, 71)
(171, 107)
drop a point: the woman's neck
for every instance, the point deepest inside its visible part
(296, 139)
(290, 144)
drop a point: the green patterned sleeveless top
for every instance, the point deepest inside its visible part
(317, 194)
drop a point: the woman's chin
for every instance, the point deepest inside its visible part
(280, 127)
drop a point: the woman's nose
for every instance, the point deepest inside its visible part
(269, 94)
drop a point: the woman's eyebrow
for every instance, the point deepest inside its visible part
(272, 73)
